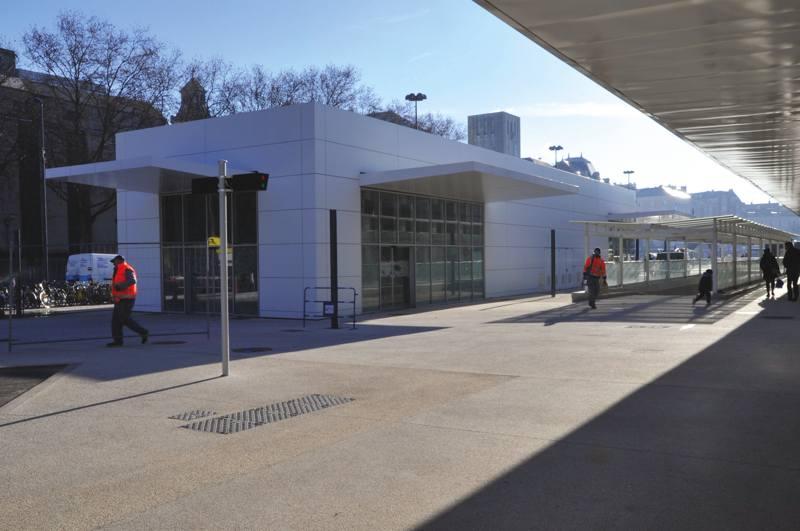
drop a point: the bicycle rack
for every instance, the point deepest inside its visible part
(313, 290)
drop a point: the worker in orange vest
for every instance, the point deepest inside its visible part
(123, 293)
(593, 270)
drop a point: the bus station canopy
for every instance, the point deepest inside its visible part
(708, 229)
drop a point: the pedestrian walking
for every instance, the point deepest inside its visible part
(791, 261)
(123, 294)
(593, 270)
(705, 286)
(769, 270)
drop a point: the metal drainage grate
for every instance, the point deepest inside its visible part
(647, 326)
(168, 342)
(777, 317)
(251, 418)
(194, 414)
(292, 330)
(250, 350)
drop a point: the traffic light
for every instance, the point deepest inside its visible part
(253, 181)
(242, 182)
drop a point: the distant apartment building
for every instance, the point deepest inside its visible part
(498, 131)
(716, 203)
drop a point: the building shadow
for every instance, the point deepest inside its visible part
(177, 342)
(711, 444)
(641, 309)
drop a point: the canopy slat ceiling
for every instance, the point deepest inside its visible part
(722, 74)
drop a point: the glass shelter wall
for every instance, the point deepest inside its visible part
(419, 250)
(190, 268)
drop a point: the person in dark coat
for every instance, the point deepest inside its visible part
(704, 287)
(770, 271)
(791, 261)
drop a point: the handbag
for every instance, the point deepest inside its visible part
(779, 283)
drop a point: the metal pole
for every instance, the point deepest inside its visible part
(553, 273)
(334, 270)
(11, 287)
(44, 191)
(735, 253)
(749, 259)
(621, 259)
(646, 259)
(223, 269)
(667, 245)
(714, 251)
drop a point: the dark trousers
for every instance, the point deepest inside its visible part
(770, 284)
(791, 284)
(592, 288)
(706, 294)
(122, 317)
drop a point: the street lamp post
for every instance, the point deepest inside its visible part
(555, 150)
(629, 173)
(419, 96)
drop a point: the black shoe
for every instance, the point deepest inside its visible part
(593, 306)
(114, 344)
(145, 336)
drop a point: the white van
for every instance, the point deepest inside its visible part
(85, 267)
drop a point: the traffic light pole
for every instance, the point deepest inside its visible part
(223, 268)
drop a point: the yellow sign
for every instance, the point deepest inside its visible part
(230, 251)
(213, 241)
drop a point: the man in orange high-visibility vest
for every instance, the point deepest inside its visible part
(123, 293)
(593, 270)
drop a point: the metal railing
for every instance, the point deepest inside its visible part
(313, 290)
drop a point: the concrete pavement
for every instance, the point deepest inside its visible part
(523, 414)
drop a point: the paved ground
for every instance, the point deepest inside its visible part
(524, 414)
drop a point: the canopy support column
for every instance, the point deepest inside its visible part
(621, 260)
(749, 259)
(685, 256)
(647, 258)
(714, 251)
(667, 247)
(735, 253)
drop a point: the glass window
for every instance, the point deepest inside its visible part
(369, 202)
(465, 270)
(369, 229)
(477, 234)
(245, 279)
(388, 205)
(172, 270)
(465, 212)
(477, 272)
(438, 283)
(406, 231)
(451, 273)
(406, 206)
(477, 213)
(464, 233)
(171, 219)
(423, 232)
(423, 275)
(452, 210)
(194, 219)
(437, 233)
(452, 234)
(437, 209)
(245, 217)
(423, 208)
(388, 230)
(370, 272)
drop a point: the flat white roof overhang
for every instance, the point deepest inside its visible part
(141, 174)
(467, 181)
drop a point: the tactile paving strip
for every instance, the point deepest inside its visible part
(251, 418)
(194, 414)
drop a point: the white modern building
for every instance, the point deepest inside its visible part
(421, 219)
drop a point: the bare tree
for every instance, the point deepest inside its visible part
(100, 80)
(437, 124)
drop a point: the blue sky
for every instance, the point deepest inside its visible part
(463, 58)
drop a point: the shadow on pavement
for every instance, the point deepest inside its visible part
(645, 309)
(712, 444)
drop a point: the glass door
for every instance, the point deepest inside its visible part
(395, 277)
